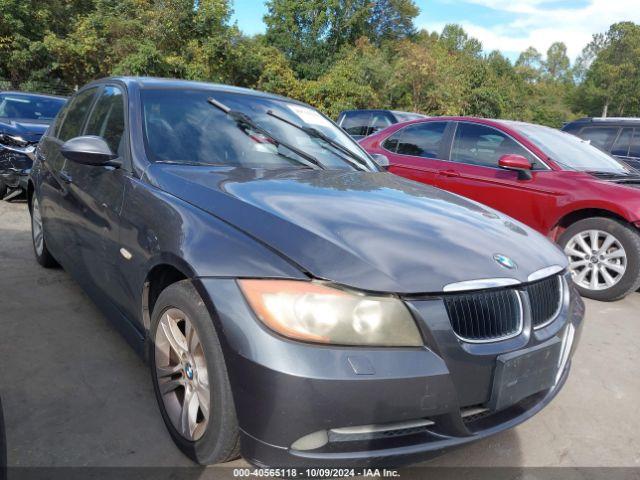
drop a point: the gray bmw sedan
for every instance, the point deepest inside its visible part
(296, 303)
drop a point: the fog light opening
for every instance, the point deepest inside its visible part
(312, 441)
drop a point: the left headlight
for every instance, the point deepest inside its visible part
(314, 312)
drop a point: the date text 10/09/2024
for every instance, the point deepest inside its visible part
(315, 472)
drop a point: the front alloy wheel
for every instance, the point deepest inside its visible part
(190, 379)
(604, 257)
(182, 375)
(597, 259)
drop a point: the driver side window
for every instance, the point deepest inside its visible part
(480, 145)
(107, 119)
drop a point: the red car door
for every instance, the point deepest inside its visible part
(415, 151)
(474, 173)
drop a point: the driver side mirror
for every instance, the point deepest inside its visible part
(90, 150)
(381, 160)
(517, 163)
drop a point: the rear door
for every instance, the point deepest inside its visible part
(418, 151)
(474, 173)
(97, 193)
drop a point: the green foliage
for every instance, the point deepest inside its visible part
(311, 33)
(610, 66)
(334, 54)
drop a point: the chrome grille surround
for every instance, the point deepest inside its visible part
(489, 315)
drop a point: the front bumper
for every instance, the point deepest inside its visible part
(286, 390)
(14, 168)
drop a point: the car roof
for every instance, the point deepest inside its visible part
(479, 120)
(31, 94)
(371, 110)
(605, 120)
(174, 83)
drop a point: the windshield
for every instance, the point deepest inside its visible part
(29, 107)
(571, 152)
(181, 126)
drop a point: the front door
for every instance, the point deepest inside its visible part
(474, 173)
(97, 193)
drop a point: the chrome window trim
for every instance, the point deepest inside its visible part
(545, 273)
(480, 284)
(517, 333)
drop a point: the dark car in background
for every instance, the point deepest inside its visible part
(361, 123)
(24, 117)
(295, 302)
(558, 184)
(618, 136)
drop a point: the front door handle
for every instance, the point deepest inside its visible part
(449, 173)
(65, 177)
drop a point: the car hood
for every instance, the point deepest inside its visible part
(371, 231)
(28, 130)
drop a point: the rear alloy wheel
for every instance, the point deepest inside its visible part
(43, 256)
(190, 378)
(604, 257)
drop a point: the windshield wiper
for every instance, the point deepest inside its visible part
(243, 119)
(356, 160)
(603, 174)
(187, 162)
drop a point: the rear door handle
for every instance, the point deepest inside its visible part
(65, 177)
(449, 173)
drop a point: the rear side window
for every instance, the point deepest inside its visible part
(621, 146)
(76, 114)
(634, 149)
(380, 121)
(480, 145)
(601, 137)
(418, 140)
(356, 123)
(107, 118)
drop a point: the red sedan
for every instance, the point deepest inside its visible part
(556, 183)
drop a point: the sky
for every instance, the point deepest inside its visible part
(510, 26)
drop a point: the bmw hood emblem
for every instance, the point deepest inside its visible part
(505, 261)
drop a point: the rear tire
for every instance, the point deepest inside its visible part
(604, 256)
(181, 319)
(40, 250)
(3, 189)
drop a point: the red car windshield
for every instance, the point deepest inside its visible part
(569, 151)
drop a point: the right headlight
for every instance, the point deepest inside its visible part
(313, 312)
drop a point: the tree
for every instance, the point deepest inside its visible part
(456, 40)
(311, 33)
(557, 65)
(529, 64)
(612, 80)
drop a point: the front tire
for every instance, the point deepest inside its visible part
(604, 257)
(43, 256)
(190, 377)
(3, 189)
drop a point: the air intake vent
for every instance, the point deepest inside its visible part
(485, 316)
(546, 300)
